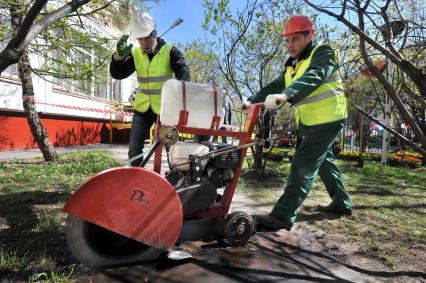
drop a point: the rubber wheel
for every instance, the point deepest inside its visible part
(239, 227)
(97, 247)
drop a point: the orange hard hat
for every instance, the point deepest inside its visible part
(298, 24)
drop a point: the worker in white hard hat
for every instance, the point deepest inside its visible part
(154, 61)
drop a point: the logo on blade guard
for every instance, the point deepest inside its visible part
(138, 195)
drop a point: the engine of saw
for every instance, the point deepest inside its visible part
(198, 181)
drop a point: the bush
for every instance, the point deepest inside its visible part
(275, 154)
(277, 151)
(278, 154)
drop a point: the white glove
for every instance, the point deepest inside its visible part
(243, 106)
(274, 100)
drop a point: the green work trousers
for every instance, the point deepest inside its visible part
(313, 157)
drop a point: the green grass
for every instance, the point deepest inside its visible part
(72, 169)
(32, 194)
(389, 205)
(49, 219)
(59, 276)
(10, 260)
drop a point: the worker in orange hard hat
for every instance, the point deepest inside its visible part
(298, 24)
(312, 85)
(298, 33)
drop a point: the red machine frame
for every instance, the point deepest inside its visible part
(244, 136)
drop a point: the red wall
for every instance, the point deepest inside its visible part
(63, 131)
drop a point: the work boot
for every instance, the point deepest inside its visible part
(335, 210)
(269, 222)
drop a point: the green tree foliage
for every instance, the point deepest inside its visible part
(74, 47)
(248, 42)
(202, 63)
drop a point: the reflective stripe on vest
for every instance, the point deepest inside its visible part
(152, 74)
(154, 79)
(334, 78)
(149, 91)
(325, 104)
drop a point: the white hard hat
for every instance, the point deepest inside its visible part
(141, 24)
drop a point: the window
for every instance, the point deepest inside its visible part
(99, 84)
(116, 90)
(101, 87)
(11, 71)
(58, 81)
(84, 84)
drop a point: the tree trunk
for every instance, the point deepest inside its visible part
(258, 147)
(37, 129)
(258, 159)
(417, 75)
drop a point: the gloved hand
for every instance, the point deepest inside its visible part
(246, 105)
(123, 49)
(243, 106)
(274, 100)
(132, 97)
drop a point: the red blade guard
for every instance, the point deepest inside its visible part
(131, 201)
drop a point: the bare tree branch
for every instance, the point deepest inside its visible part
(390, 90)
(413, 145)
(93, 11)
(417, 75)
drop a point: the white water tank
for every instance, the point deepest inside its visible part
(200, 103)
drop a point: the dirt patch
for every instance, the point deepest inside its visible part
(384, 239)
(267, 174)
(408, 266)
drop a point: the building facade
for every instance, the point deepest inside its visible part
(74, 112)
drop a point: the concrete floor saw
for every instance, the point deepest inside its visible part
(133, 214)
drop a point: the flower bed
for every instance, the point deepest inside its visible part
(399, 158)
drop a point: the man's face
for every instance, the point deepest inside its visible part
(148, 44)
(296, 43)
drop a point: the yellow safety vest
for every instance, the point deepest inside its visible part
(325, 104)
(151, 77)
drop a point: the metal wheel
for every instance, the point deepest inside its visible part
(239, 228)
(168, 135)
(97, 247)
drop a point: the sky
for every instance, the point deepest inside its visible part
(192, 13)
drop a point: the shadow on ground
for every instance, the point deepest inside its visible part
(268, 257)
(28, 238)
